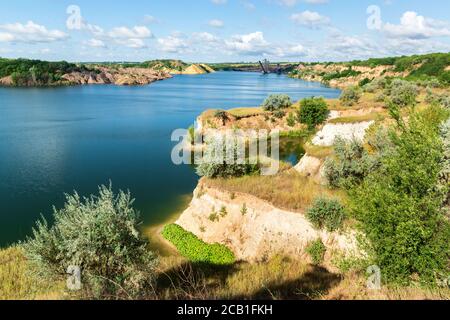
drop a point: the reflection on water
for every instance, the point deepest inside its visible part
(56, 140)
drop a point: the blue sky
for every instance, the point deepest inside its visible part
(222, 30)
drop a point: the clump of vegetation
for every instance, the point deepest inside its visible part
(341, 74)
(399, 205)
(194, 249)
(444, 174)
(403, 93)
(352, 162)
(291, 121)
(100, 235)
(350, 96)
(216, 165)
(316, 251)
(364, 82)
(222, 116)
(313, 111)
(280, 114)
(326, 213)
(375, 85)
(277, 102)
(244, 209)
(26, 72)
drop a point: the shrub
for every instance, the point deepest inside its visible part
(279, 114)
(350, 96)
(313, 111)
(212, 167)
(444, 174)
(351, 163)
(100, 235)
(326, 213)
(364, 82)
(194, 249)
(316, 251)
(277, 102)
(399, 205)
(291, 120)
(403, 93)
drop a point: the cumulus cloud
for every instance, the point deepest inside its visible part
(310, 19)
(29, 32)
(95, 43)
(248, 44)
(175, 43)
(137, 32)
(415, 26)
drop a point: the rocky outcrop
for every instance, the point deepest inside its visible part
(254, 229)
(117, 76)
(318, 71)
(6, 81)
(327, 136)
(310, 167)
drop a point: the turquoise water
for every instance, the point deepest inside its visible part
(56, 140)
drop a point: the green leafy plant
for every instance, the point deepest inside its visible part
(399, 205)
(350, 96)
(313, 111)
(276, 102)
(212, 167)
(291, 121)
(194, 249)
(352, 162)
(100, 235)
(326, 213)
(316, 251)
(403, 93)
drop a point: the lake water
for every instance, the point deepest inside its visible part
(56, 140)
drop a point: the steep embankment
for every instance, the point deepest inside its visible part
(420, 67)
(254, 229)
(119, 76)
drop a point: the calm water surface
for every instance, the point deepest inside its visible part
(57, 140)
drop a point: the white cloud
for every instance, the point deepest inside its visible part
(248, 44)
(414, 26)
(218, 2)
(204, 37)
(310, 19)
(137, 32)
(216, 23)
(29, 33)
(95, 43)
(174, 43)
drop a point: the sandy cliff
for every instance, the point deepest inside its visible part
(254, 229)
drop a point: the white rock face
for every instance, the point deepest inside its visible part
(308, 166)
(330, 132)
(261, 232)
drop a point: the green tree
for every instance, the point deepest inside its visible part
(399, 205)
(313, 111)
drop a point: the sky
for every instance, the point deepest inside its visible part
(222, 30)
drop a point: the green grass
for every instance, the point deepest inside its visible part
(16, 282)
(361, 118)
(246, 112)
(196, 250)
